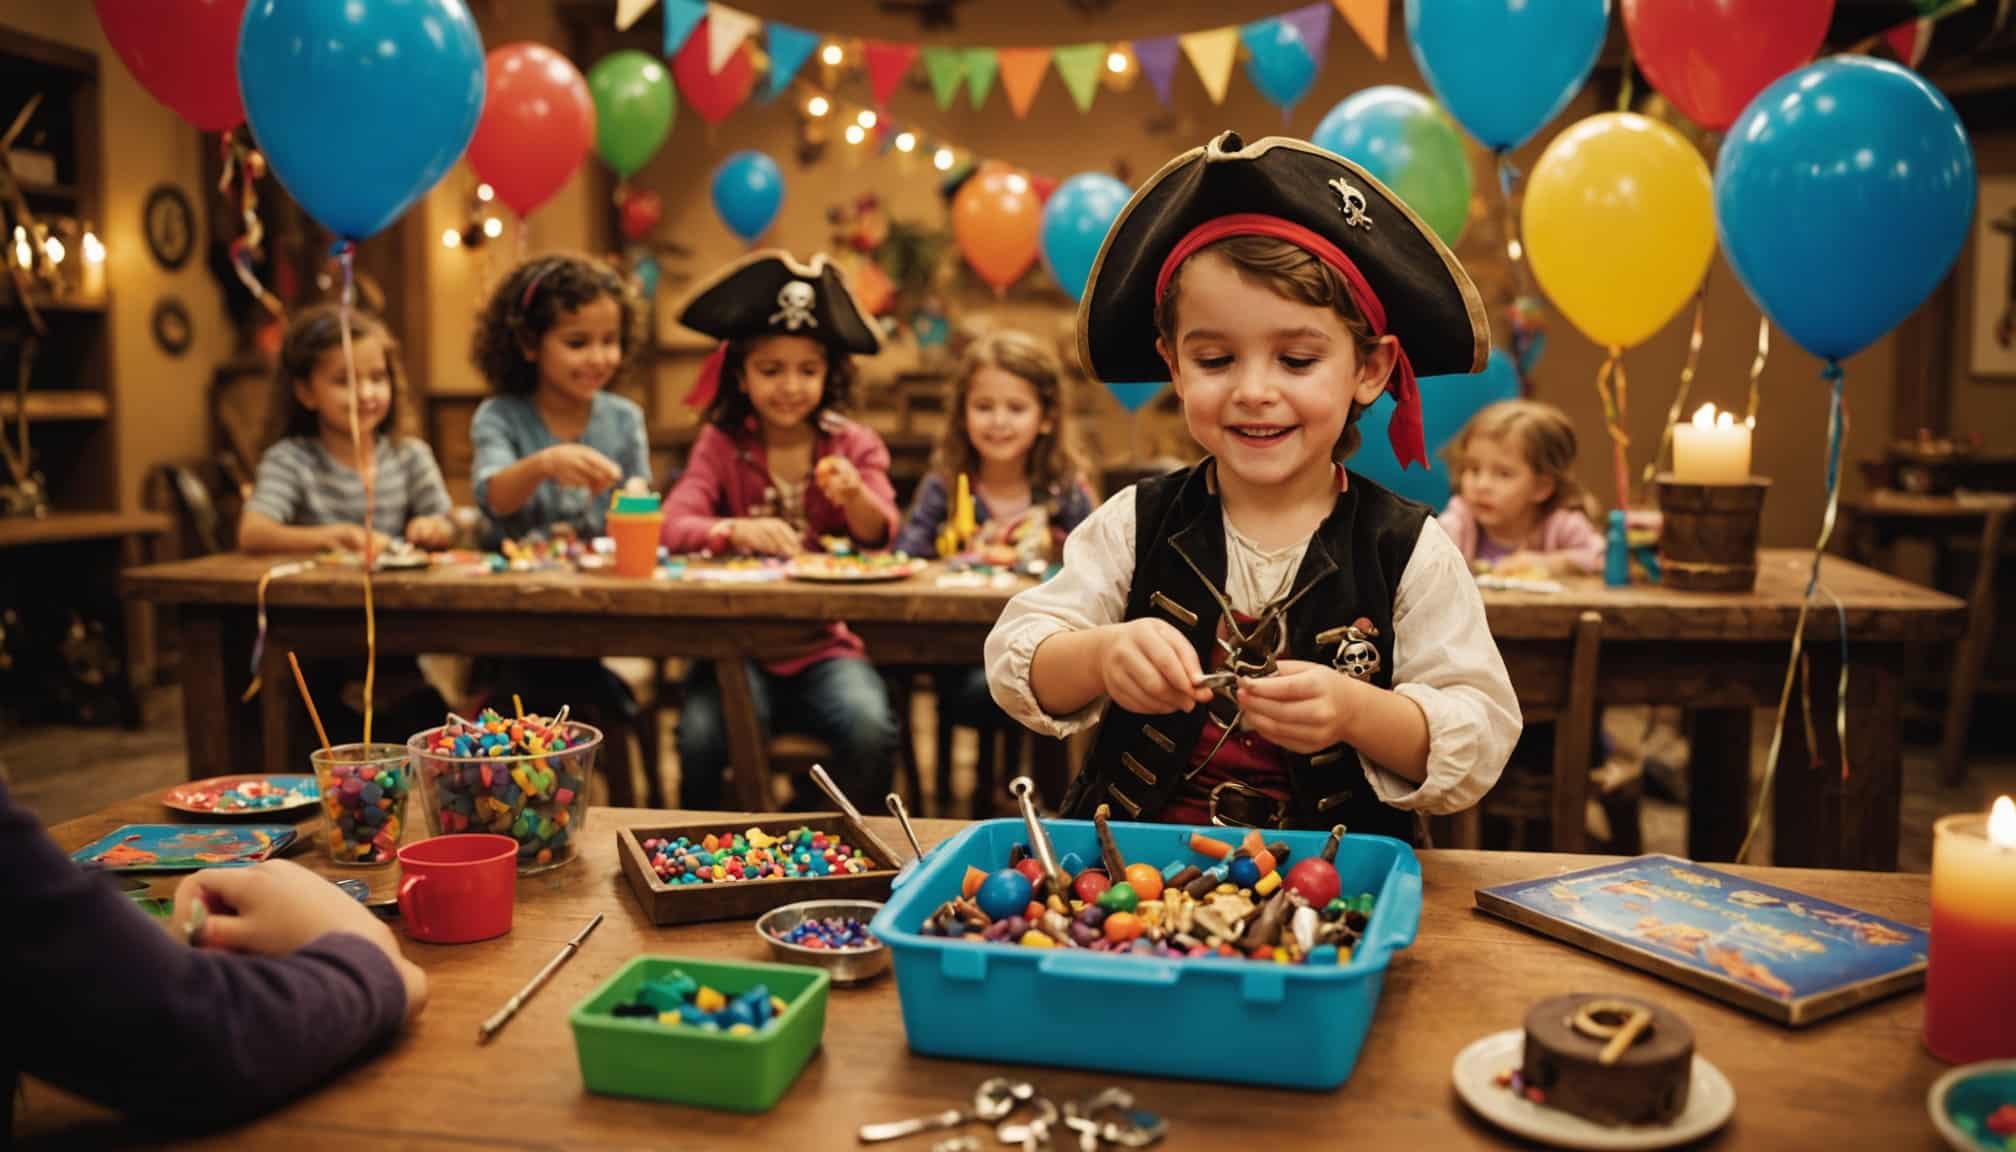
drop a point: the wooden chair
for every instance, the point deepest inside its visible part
(1567, 793)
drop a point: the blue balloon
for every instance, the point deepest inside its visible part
(1075, 222)
(1136, 396)
(1842, 196)
(1503, 68)
(360, 106)
(748, 190)
(1447, 403)
(1278, 62)
(647, 275)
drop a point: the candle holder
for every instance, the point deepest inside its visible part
(1970, 996)
(1708, 534)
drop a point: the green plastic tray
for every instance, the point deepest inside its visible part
(628, 1057)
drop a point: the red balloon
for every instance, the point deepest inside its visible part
(640, 212)
(183, 52)
(712, 94)
(538, 124)
(1712, 57)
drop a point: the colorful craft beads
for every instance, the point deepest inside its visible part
(525, 778)
(834, 933)
(365, 809)
(1214, 899)
(754, 855)
(676, 1000)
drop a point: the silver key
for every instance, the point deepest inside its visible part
(957, 1144)
(992, 1101)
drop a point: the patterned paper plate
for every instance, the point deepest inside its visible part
(244, 795)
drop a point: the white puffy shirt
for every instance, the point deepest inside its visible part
(1443, 656)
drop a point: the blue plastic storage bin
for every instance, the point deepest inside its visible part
(1202, 1018)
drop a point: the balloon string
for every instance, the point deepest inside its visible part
(367, 466)
(1757, 367)
(1613, 419)
(1515, 254)
(1836, 424)
(291, 568)
(1680, 394)
(244, 163)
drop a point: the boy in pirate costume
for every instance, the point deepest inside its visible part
(1272, 641)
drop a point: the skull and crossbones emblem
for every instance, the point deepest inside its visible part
(794, 307)
(1357, 657)
(1352, 202)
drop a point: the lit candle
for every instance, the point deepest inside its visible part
(94, 265)
(1712, 449)
(1970, 982)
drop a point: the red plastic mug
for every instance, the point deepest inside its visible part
(456, 889)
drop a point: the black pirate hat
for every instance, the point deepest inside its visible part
(1405, 280)
(769, 293)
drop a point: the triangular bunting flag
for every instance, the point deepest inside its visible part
(1313, 22)
(946, 67)
(1211, 53)
(789, 48)
(726, 29)
(1368, 19)
(681, 17)
(1079, 65)
(1158, 62)
(628, 12)
(980, 69)
(887, 62)
(1021, 74)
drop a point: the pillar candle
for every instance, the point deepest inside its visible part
(1970, 981)
(1711, 449)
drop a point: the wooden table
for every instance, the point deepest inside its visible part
(1722, 654)
(1856, 1081)
(1874, 526)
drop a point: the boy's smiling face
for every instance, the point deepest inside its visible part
(1267, 382)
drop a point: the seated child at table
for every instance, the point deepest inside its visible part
(1518, 509)
(1009, 435)
(290, 982)
(775, 468)
(1281, 290)
(309, 496)
(547, 448)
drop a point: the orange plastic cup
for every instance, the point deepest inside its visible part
(633, 524)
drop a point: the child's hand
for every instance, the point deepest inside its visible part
(434, 532)
(1148, 667)
(579, 466)
(838, 479)
(277, 907)
(1303, 707)
(764, 535)
(350, 538)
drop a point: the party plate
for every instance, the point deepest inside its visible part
(244, 795)
(1710, 1101)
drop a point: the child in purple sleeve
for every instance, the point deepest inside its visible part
(1518, 506)
(289, 982)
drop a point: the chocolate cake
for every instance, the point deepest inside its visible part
(1610, 1059)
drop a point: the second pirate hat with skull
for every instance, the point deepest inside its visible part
(771, 293)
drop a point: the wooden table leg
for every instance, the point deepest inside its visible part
(1718, 782)
(1973, 651)
(215, 741)
(277, 691)
(1572, 758)
(748, 751)
(1819, 819)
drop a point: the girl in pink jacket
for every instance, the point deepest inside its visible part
(776, 467)
(1519, 508)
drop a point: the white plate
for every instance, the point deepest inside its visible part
(1710, 1101)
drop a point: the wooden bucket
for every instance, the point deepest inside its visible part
(1708, 534)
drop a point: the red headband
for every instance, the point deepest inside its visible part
(1404, 430)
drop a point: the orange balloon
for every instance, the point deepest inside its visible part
(997, 219)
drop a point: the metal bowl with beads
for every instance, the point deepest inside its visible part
(853, 965)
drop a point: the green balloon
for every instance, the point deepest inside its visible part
(633, 109)
(1408, 144)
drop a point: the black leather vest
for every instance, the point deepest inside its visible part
(1351, 571)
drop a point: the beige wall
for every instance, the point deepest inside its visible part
(158, 399)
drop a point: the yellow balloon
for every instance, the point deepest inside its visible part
(1619, 225)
